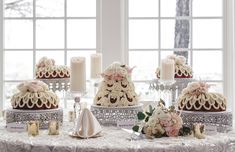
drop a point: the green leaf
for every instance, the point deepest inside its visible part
(162, 102)
(141, 115)
(135, 128)
(147, 119)
(149, 113)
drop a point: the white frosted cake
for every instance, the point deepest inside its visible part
(46, 69)
(182, 70)
(34, 95)
(116, 89)
(195, 97)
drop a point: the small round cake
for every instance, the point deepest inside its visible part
(34, 95)
(195, 97)
(116, 89)
(46, 69)
(182, 70)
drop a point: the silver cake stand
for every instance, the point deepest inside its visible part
(175, 88)
(43, 116)
(222, 120)
(58, 84)
(109, 116)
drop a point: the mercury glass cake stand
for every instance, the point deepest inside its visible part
(175, 88)
(109, 116)
(43, 116)
(58, 84)
(221, 120)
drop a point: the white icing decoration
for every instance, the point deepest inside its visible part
(34, 94)
(116, 85)
(46, 68)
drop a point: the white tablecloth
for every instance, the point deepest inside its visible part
(112, 139)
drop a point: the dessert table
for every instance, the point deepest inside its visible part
(112, 139)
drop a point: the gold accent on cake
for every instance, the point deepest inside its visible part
(34, 95)
(116, 89)
(46, 69)
(182, 70)
(195, 97)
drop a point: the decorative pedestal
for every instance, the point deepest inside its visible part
(43, 116)
(176, 88)
(57, 84)
(109, 116)
(222, 120)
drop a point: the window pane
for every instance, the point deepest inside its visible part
(143, 34)
(142, 89)
(58, 56)
(175, 29)
(10, 89)
(81, 8)
(207, 65)
(207, 33)
(18, 65)
(18, 8)
(50, 34)
(85, 54)
(49, 8)
(207, 7)
(81, 33)
(146, 63)
(168, 8)
(15, 30)
(216, 87)
(143, 8)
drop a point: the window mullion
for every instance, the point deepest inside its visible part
(34, 36)
(1, 56)
(65, 32)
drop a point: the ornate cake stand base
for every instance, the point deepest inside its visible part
(222, 120)
(58, 84)
(109, 116)
(43, 116)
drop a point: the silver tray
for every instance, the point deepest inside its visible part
(43, 116)
(109, 116)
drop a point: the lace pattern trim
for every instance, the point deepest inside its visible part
(204, 100)
(40, 99)
(53, 71)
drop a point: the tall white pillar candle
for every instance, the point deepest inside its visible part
(78, 74)
(96, 65)
(167, 72)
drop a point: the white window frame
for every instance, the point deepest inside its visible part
(34, 18)
(112, 40)
(117, 46)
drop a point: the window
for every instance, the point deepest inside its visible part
(138, 32)
(192, 28)
(54, 28)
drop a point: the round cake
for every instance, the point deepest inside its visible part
(182, 70)
(34, 95)
(46, 69)
(116, 89)
(195, 97)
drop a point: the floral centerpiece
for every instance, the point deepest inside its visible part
(161, 122)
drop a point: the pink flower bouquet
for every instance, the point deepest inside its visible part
(161, 122)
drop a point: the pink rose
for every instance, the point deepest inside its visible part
(172, 131)
(177, 121)
(166, 123)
